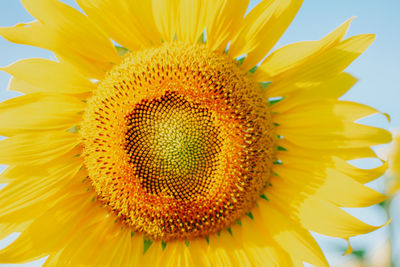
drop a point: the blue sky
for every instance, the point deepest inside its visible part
(378, 68)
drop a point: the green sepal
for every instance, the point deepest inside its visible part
(264, 85)
(250, 215)
(219, 234)
(202, 39)
(280, 148)
(230, 231)
(359, 254)
(240, 60)
(74, 129)
(253, 69)
(163, 245)
(277, 162)
(207, 240)
(239, 222)
(275, 100)
(121, 50)
(187, 243)
(132, 234)
(264, 197)
(383, 204)
(146, 244)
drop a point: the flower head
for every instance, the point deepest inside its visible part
(180, 145)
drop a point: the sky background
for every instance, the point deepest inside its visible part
(378, 70)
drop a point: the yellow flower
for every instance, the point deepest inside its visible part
(173, 148)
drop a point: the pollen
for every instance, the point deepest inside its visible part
(178, 142)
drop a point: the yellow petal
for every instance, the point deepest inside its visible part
(103, 243)
(347, 135)
(22, 86)
(249, 244)
(301, 115)
(50, 76)
(305, 159)
(325, 218)
(36, 185)
(297, 241)
(36, 34)
(124, 21)
(296, 182)
(317, 154)
(32, 33)
(320, 68)
(226, 22)
(260, 247)
(60, 221)
(166, 18)
(336, 132)
(8, 228)
(331, 89)
(198, 250)
(35, 206)
(193, 18)
(176, 254)
(61, 29)
(34, 149)
(221, 248)
(39, 112)
(343, 191)
(360, 175)
(262, 28)
(298, 54)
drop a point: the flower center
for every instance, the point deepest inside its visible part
(173, 147)
(178, 142)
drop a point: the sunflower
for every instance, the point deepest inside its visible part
(160, 136)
